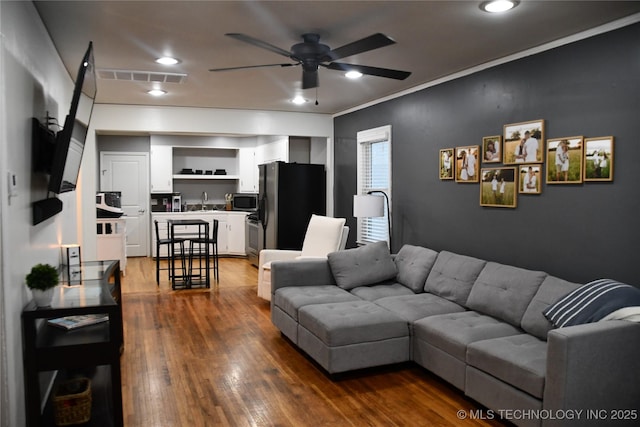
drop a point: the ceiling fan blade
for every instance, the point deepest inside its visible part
(252, 66)
(371, 71)
(374, 41)
(259, 43)
(309, 79)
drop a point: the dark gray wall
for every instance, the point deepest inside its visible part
(577, 232)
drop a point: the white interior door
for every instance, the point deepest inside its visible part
(128, 172)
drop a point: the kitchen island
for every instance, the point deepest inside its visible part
(231, 229)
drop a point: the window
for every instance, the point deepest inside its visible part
(374, 174)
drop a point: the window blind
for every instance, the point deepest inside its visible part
(374, 174)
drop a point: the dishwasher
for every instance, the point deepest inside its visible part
(254, 238)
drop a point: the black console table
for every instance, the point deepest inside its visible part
(52, 355)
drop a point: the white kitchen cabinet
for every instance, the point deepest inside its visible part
(235, 233)
(286, 149)
(231, 230)
(248, 171)
(161, 168)
(223, 235)
(273, 151)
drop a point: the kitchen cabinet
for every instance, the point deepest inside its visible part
(231, 230)
(161, 168)
(235, 234)
(223, 233)
(248, 169)
(286, 149)
(52, 354)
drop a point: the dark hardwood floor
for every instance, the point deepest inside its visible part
(212, 357)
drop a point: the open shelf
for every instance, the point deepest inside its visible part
(101, 399)
(206, 177)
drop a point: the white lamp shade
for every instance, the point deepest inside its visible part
(368, 206)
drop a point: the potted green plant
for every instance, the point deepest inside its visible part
(41, 280)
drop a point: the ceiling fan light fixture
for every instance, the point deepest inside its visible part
(498, 6)
(353, 74)
(157, 92)
(167, 60)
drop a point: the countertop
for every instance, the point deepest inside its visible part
(196, 213)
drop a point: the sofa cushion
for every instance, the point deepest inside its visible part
(416, 306)
(452, 332)
(414, 264)
(519, 360)
(550, 291)
(367, 265)
(374, 292)
(452, 276)
(504, 292)
(346, 323)
(292, 298)
(592, 302)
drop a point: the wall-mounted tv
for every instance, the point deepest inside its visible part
(69, 141)
(59, 154)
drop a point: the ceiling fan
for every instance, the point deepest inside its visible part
(311, 54)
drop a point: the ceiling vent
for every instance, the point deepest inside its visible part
(141, 76)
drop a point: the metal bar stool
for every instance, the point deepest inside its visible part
(167, 242)
(199, 249)
(213, 240)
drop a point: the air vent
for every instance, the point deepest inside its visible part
(141, 76)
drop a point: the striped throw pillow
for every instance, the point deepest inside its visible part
(592, 302)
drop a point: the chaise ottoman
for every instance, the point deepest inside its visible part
(350, 335)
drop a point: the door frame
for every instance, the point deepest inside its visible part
(146, 202)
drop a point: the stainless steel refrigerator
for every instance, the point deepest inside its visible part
(289, 193)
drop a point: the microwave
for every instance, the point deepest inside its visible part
(244, 202)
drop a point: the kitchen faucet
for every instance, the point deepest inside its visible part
(205, 197)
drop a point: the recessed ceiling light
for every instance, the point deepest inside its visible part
(157, 92)
(298, 100)
(167, 60)
(497, 6)
(353, 74)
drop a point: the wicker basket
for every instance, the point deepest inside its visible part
(72, 402)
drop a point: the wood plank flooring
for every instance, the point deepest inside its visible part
(211, 357)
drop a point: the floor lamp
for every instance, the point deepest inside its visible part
(369, 206)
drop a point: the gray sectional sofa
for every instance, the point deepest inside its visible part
(477, 324)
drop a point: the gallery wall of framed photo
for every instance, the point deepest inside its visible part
(526, 163)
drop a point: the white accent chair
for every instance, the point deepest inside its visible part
(324, 235)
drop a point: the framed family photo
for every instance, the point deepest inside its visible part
(523, 142)
(466, 168)
(564, 160)
(492, 149)
(499, 187)
(530, 181)
(598, 159)
(446, 163)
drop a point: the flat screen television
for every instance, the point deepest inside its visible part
(69, 141)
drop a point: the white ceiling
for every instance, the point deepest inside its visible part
(434, 39)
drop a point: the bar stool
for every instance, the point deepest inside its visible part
(167, 241)
(213, 240)
(200, 240)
